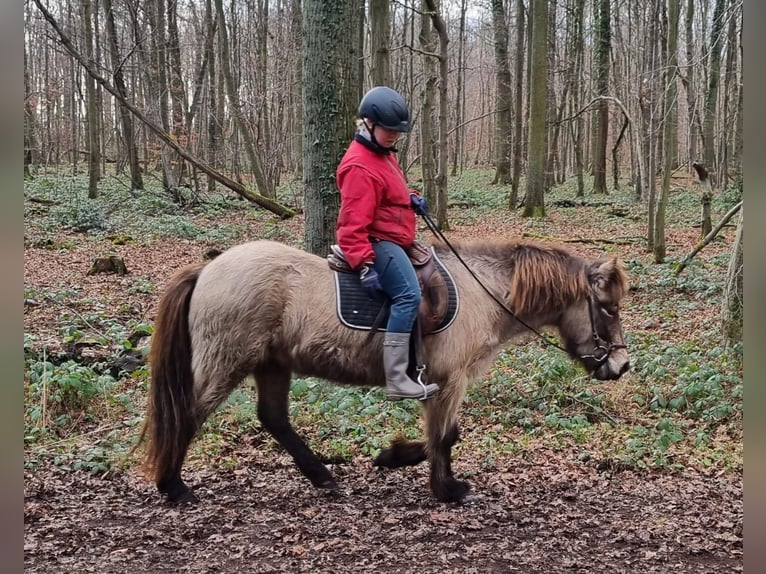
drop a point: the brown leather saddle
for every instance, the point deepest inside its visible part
(439, 299)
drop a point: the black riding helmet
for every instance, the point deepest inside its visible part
(385, 107)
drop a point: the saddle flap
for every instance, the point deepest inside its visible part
(434, 301)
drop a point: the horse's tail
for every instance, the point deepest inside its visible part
(170, 421)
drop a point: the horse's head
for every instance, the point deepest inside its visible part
(591, 327)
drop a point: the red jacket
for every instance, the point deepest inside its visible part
(374, 201)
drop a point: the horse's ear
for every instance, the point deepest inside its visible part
(608, 273)
(601, 272)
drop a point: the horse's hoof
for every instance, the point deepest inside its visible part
(385, 459)
(176, 491)
(452, 491)
(329, 485)
(186, 498)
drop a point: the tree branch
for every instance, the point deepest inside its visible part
(708, 238)
(265, 202)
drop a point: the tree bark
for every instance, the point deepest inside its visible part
(126, 120)
(669, 128)
(733, 304)
(711, 97)
(443, 60)
(380, 39)
(502, 96)
(603, 44)
(427, 138)
(457, 148)
(329, 110)
(92, 117)
(534, 205)
(176, 90)
(232, 94)
(518, 120)
(690, 84)
(706, 222)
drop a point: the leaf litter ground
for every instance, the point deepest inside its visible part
(545, 511)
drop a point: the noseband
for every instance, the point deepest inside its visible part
(602, 349)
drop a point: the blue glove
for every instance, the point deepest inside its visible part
(419, 204)
(370, 281)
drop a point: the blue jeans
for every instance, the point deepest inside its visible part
(400, 283)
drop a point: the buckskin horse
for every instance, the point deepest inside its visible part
(268, 310)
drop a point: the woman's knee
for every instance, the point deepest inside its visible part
(409, 301)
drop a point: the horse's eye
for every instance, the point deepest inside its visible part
(609, 310)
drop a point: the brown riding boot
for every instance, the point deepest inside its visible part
(396, 353)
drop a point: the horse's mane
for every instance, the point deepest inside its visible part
(542, 276)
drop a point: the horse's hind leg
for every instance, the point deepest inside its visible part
(273, 383)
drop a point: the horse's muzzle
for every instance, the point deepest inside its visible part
(614, 367)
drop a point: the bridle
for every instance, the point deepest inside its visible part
(601, 349)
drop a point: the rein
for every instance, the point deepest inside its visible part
(601, 350)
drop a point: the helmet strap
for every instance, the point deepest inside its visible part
(376, 146)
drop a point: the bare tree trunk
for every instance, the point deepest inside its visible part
(579, 123)
(669, 127)
(615, 159)
(534, 205)
(733, 304)
(380, 39)
(518, 95)
(256, 166)
(428, 144)
(738, 130)
(330, 84)
(264, 139)
(93, 129)
(457, 149)
(689, 82)
(711, 98)
(502, 96)
(176, 90)
(647, 100)
(706, 222)
(30, 101)
(603, 44)
(296, 96)
(442, 58)
(551, 146)
(729, 102)
(131, 146)
(213, 125)
(158, 130)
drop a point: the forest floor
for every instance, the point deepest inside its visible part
(541, 508)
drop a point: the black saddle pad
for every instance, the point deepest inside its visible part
(358, 311)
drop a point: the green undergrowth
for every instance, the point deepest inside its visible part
(679, 407)
(126, 216)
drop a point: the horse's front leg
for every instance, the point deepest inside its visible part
(442, 433)
(273, 383)
(402, 452)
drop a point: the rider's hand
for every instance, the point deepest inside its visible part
(370, 280)
(419, 204)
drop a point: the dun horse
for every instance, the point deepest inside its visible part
(268, 310)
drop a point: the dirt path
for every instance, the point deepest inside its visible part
(265, 517)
